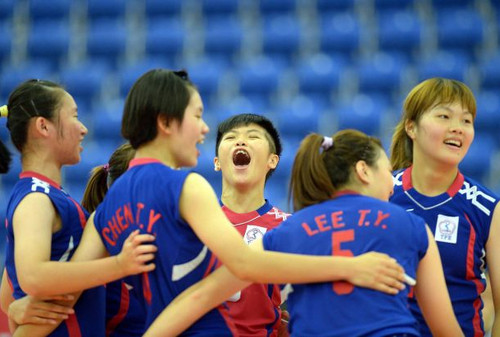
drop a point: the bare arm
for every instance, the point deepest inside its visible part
(213, 228)
(432, 294)
(38, 275)
(492, 257)
(91, 247)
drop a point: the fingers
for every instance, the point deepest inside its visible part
(64, 297)
(52, 309)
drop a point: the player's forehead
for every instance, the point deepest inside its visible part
(246, 128)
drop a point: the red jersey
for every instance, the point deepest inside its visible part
(256, 309)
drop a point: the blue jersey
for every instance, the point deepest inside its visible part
(146, 197)
(350, 225)
(460, 220)
(89, 310)
(125, 315)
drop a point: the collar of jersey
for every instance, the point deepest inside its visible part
(32, 174)
(239, 217)
(429, 201)
(143, 161)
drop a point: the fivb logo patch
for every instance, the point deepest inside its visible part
(253, 233)
(446, 229)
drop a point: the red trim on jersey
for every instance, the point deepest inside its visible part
(476, 321)
(345, 192)
(141, 161)
(406, 179)
(146, 288)
(31, 174)
(211, 263)
(73, 326)
(452, 190)
(9, 281)
(81, 214)
(456, 185)
(122, 311)
(224, 312)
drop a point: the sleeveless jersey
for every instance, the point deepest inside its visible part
(256, 309)
(460, 220)
(88, 319)
(125, 314)
(350, 225)
(146, 197)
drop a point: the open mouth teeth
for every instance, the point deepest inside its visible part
(453, 143)
(241, 158)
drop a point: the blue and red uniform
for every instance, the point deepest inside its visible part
(256, 310)
(350, 225)
(460, 220)
(88, 319)
(146, 197)
(125, 314)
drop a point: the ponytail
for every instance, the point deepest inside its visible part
(96, 189)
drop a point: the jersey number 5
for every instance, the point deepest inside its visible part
(342, 287)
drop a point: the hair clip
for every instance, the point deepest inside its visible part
(327, 143)
(4, 111)
(106, 167)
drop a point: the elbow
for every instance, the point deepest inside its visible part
(31, 285)
(243, 270)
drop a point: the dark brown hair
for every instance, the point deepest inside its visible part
(103, 176)
(421, 98)
(318, 173)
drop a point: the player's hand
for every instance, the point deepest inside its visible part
(379, 272)
(283, 327)
(137, 252)
(31, 310)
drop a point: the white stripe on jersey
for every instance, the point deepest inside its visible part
(181, 270)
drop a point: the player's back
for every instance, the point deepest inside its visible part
(348, 225)
(146, 197)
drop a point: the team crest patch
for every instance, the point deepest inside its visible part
(446, 229)
(253, 233)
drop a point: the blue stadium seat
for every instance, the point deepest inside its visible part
(129, 73)
(477, 162)
(7, 10)
(271, 8)
(276, 192)
(488, 111)
(94, 154)
(206, 165)
(206, 73)
(162, 8)
(299, 117)
(399, 31)
(281, 36)
(109, 9)
(107, 41)
(319, 74)
(165, 38)
(236, 105)
(260, 75)
(223, 36)
(84, 81)
(339, 33)
(13, 75)
(459, 29)
(49, 40)
(5, 43)
(50, 10)
(219, 7)
(450, 4)
(107, 122)
(489, 71)
(380, 73)
(393, 4)
(443, 64)
(335, 6)
(362, 112)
